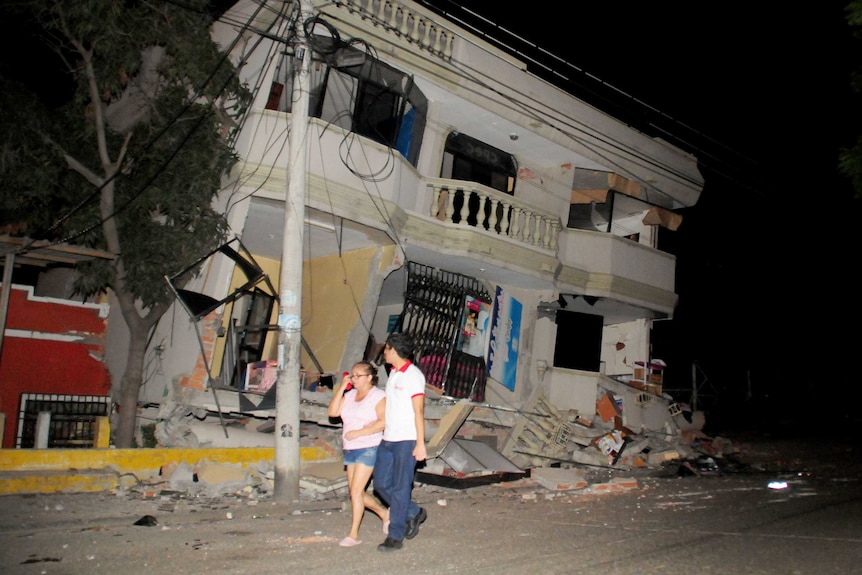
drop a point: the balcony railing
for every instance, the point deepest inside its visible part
(417, 27)
(467, 204)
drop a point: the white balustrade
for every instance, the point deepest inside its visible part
(506, 215)
(415, 26)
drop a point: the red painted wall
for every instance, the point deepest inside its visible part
(35, 359)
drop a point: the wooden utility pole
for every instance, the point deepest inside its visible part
(287, 461)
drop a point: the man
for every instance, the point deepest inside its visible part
(403, 442)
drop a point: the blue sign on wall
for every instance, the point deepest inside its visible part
(505, 337)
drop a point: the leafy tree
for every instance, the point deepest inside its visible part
(132, 161)
(850, 159)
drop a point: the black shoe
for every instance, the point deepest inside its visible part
(413, 524)
(390, 545)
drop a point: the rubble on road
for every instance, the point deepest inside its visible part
(631, 434)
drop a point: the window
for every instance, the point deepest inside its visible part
(466, 158)
(377, 113)
(357, 92)
(579, 341)
(72, 419)
(252, 333)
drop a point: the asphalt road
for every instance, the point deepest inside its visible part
(725, 524)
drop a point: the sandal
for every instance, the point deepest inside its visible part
(349, 542)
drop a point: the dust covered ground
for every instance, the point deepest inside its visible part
(700, 518)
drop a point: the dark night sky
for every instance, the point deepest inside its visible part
(765, 100)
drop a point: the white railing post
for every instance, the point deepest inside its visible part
(528, 228)
(516, 223)
(492, 221)
(462, 220)
(537, 229)
(435, 201)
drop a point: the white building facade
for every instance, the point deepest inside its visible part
(430, 150)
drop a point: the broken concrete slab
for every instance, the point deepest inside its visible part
(558, 479)
(469, 456)
(324, 477)
(448, 427)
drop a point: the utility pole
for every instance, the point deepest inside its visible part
(287, 461)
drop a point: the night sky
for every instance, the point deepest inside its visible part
(764, 100)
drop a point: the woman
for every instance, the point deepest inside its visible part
(362, 408)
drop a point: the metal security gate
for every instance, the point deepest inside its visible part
(73, 419)
(434, 312)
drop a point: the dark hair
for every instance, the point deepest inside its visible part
(372, 370)
(402, 343)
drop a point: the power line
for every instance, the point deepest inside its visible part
(720, 159)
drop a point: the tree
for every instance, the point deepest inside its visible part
(132, 161)
(850, 159)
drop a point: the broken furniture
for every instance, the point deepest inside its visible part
(649, 376)
(541, 435)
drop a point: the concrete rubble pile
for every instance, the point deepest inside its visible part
(629, 432)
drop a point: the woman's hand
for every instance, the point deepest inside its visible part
(338, 392)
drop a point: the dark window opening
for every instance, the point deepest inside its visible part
(579, 341)
(72, 423)
(252, 334)
(469, 159)
(377, 114)
(357, 92)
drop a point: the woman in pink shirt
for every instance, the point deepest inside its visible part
(362, 408)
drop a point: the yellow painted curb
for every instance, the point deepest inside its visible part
(88, 470)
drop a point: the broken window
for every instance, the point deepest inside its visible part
(246, 346)
(359, 93)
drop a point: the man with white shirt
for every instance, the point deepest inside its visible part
(403, 442)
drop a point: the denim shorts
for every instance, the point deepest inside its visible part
(366, 456)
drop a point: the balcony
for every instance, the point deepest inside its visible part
(455, 225)
(466, 204)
